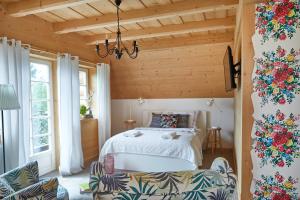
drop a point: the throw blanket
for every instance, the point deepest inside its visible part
(187, 145)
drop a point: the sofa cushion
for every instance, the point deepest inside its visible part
(22, 177)
(5, 189)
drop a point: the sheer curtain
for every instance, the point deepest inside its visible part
(15, 70)
(71, 158)
(103, 102)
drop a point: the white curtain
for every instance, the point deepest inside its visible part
(71, 158)
(15, 70)
(103, 102)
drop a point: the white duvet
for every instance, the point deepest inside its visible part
(187, 145)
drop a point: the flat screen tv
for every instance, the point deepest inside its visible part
(229, 70)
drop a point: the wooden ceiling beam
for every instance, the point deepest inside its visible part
(206, 40)
(189, 27)
(211, 39)
(28, 7)
(181, 8)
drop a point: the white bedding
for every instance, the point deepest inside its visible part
(186, 146)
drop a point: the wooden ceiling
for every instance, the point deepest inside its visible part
(150, 22)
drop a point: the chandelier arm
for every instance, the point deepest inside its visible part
(102, 56)
(111, 51)
(127, 51)
(132, 54)
(98, 51)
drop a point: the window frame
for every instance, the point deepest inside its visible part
(50, 101)
(87, 85)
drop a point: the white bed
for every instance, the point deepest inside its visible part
(149, 152)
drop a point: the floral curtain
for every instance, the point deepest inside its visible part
(276, 100)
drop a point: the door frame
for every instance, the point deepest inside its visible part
(52, 148)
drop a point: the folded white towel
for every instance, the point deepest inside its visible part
(168, 136)
(132, 134)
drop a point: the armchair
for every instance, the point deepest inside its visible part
(24, 183)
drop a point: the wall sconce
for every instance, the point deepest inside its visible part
(141, 100)
(212, 102)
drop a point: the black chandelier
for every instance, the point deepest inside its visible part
(118, 47)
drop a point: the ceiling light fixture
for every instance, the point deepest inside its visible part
(118, 47)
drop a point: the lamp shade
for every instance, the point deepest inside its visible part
(8, 98)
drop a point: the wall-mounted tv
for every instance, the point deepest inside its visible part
(230, 70)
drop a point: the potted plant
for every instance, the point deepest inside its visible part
(83, 110)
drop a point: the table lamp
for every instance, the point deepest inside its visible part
(8, 101)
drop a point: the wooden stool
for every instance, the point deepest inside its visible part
(129, 124)
(214, 138)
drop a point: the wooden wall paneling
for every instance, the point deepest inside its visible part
(67, 14)
(23, 8)
(104, 6)
(248, 28)
(183, 72)
(194, 17)
(208, 40)
(197, 26)
(86, 10)
(142, 15)
(48, 16)
(39, 33)
(131, 5)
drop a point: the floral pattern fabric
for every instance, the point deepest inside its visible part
(277, 19)
(217, 183)
(276, 187)
(277, 139)
(168, 121)
(276, 83)
(277, 77)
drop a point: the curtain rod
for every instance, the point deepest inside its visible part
(49, 52)
(37, 49)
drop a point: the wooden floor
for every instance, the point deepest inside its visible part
(208, 157)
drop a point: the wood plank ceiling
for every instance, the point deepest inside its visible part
(147, 21)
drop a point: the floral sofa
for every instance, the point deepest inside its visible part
(24, 184)
(217, 183)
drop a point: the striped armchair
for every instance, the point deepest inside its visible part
(24, 183)
(217, 183)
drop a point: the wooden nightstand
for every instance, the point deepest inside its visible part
(89, 140)
(214, 138)
(129, 124)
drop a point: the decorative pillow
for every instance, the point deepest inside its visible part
(5, 189)
(183, 121)
(168, 121)
(155, 122)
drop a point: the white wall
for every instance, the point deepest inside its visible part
(223, 117)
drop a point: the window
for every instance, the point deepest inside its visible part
(83, 81)
(41, 106)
